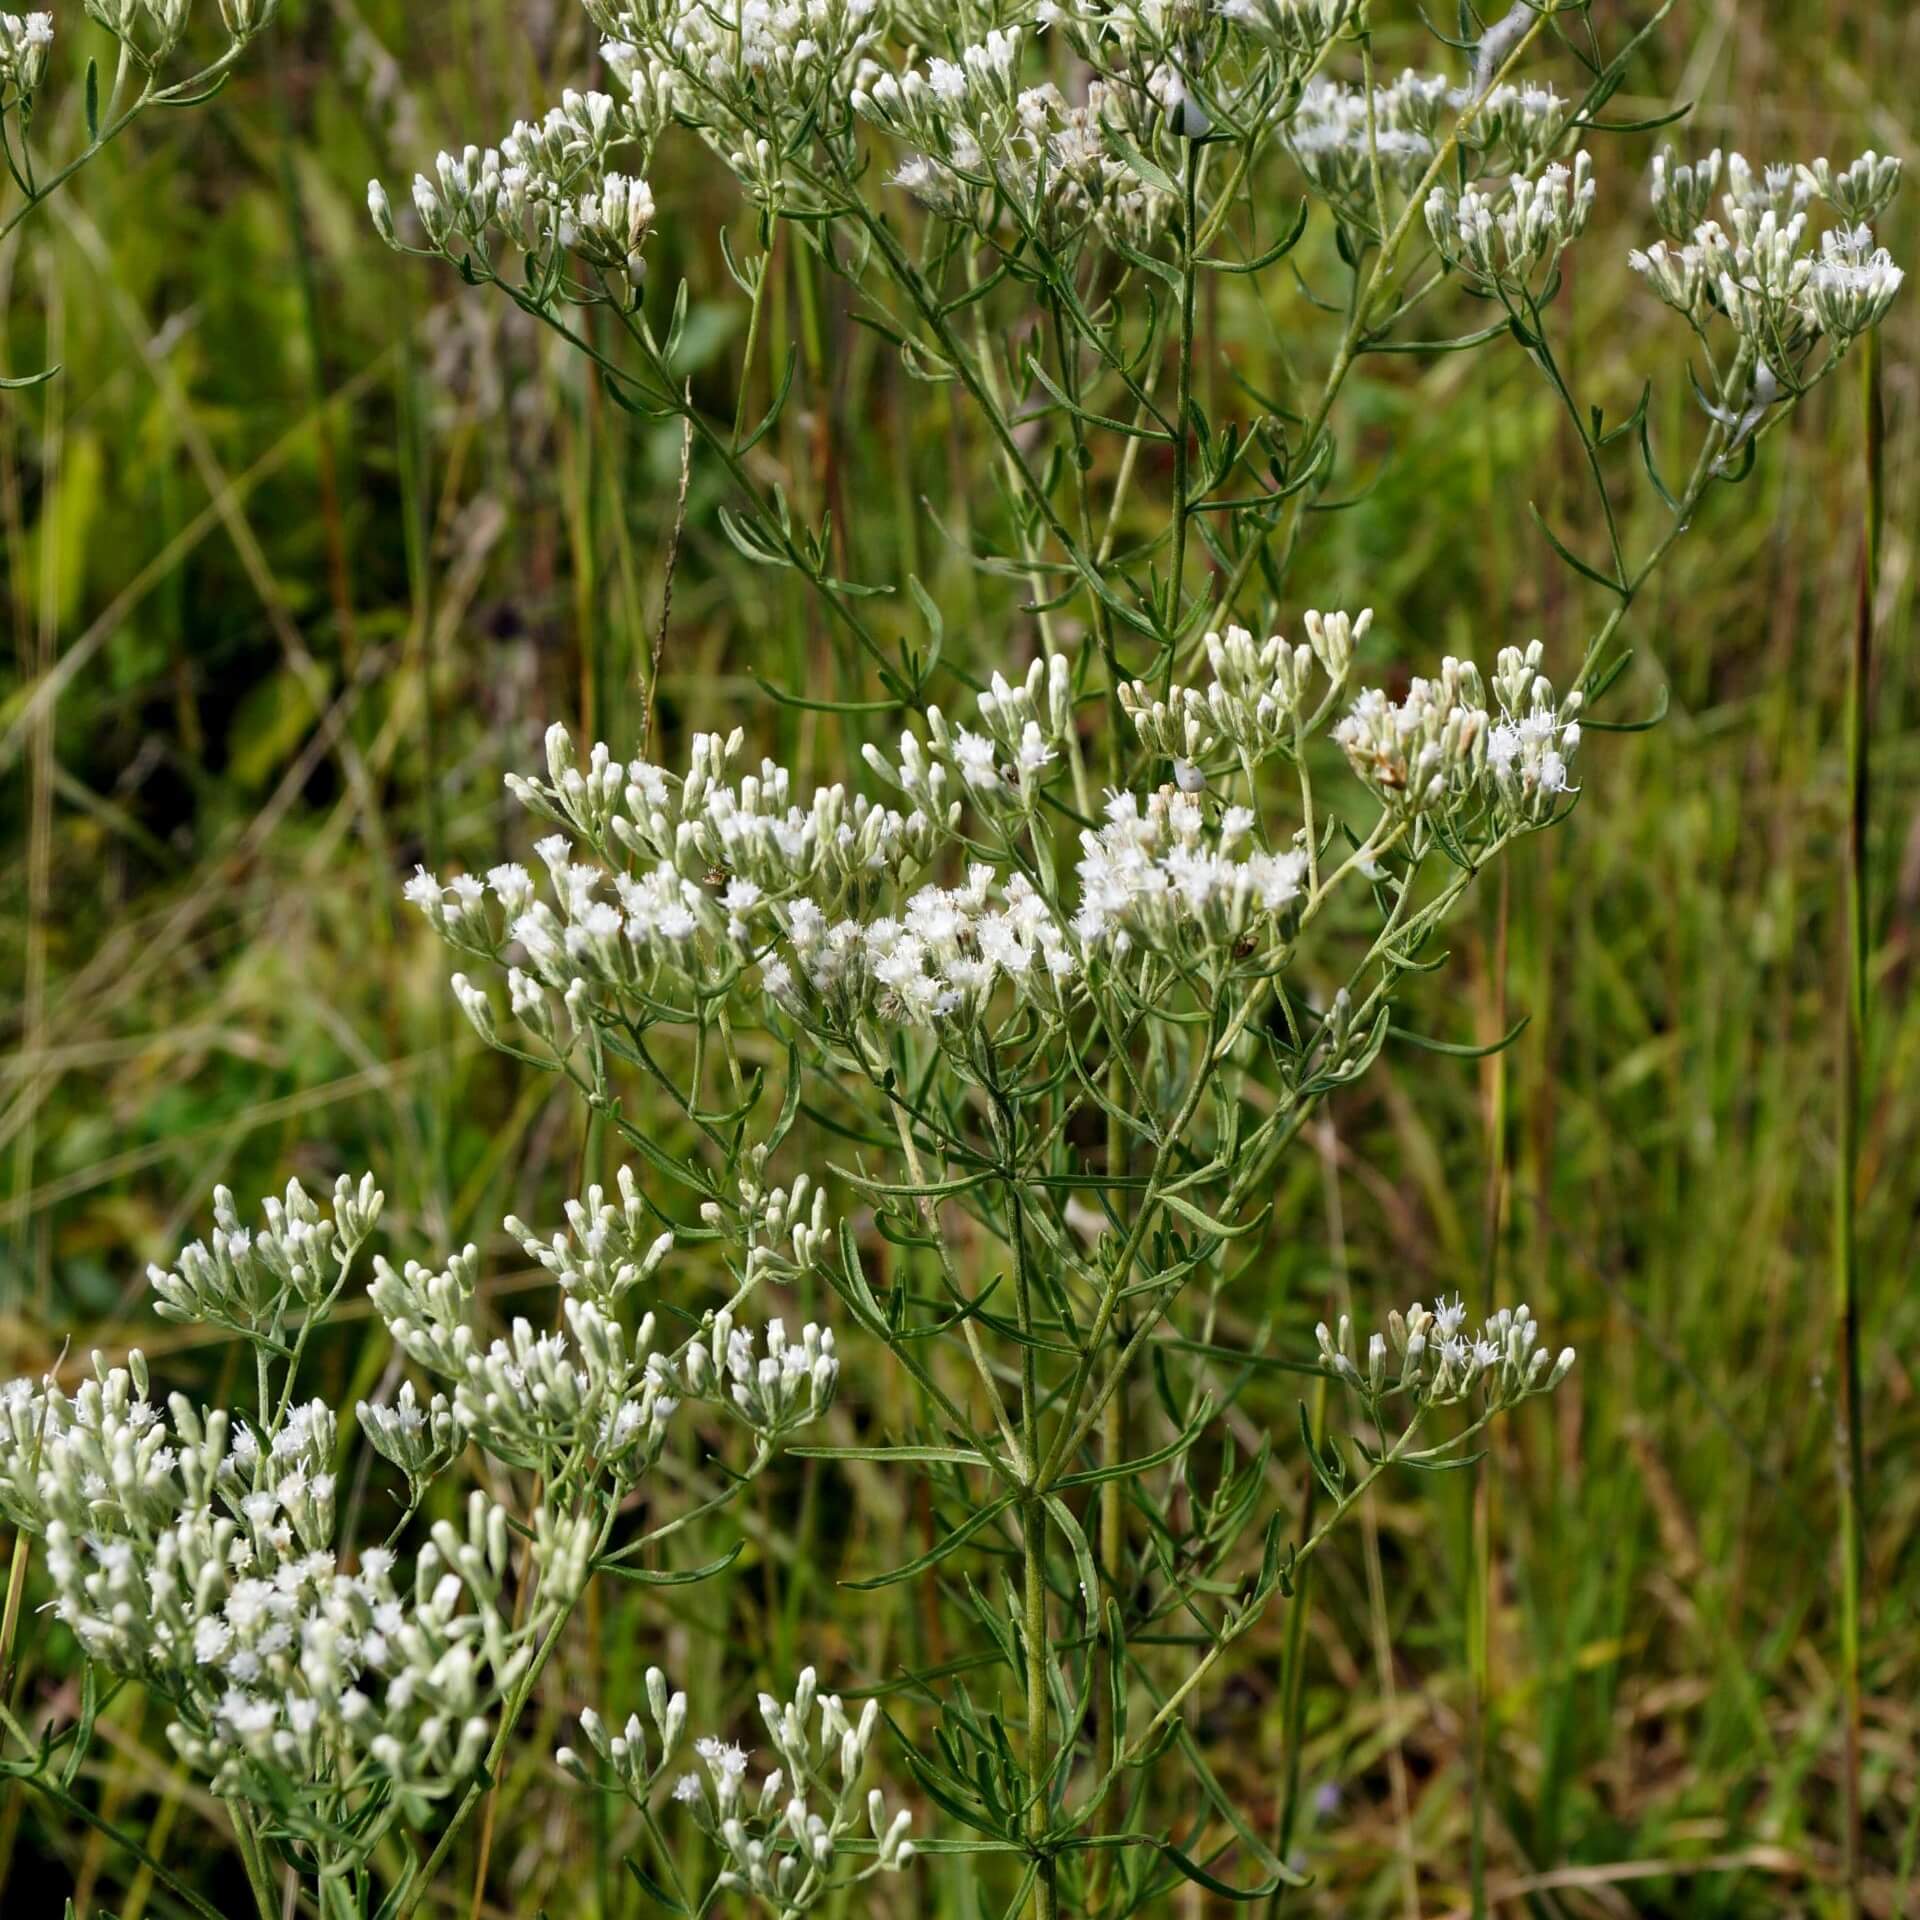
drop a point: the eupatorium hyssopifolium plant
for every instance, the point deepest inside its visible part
(1065, 969)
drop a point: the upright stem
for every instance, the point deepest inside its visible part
(1479, 1603)
(1033, 1555)
(1850, 1446)
(1183, 411)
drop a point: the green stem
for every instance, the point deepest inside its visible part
(1183, 411)
(1850, 1443)
(1046, 1899)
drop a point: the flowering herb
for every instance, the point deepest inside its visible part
(1064, 967)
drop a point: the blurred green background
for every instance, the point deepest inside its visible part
(308, 545)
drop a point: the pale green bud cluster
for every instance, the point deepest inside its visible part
(151, 30)
(624, 1755)
(1297, 28)
(420, 1440)
(547, 191)
(535, 1400)
(1862, 191)
(592, 1389)
(785, 1230)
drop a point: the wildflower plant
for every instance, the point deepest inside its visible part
(159, 54)
(1058, 971)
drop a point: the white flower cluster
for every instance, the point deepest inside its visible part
(1335, 139)
(1426, 752)
(1430, 1358)
(1176, 881)
(1258, 696)
(1522, 122)
(659, 928)
(1510, 239)
(1441, 750)
(243, 1280)
(195, 1555)
(731, 864)
(26, 41)
(1330, 139)
(1532, 743)
(784, 1849)
(1761, 270)
(940, 963)
(534, 1400)
(548, 189)
(987, 143)
(775, 1392)
(1002, 768)
(752, 77)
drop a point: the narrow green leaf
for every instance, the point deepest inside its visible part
(1460, 1050)
(1283, 1876)
(1572, 559)
(935, 1554)
(640, 1576)
(1278, 251)
(920, 1456)
(1128, 1469)
(1647, 725)
(650, 1886)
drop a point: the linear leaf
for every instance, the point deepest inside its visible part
(935, 1554)
(1283, 1876)
(923, 1456)
(641, 1576)
(1459, 1049)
